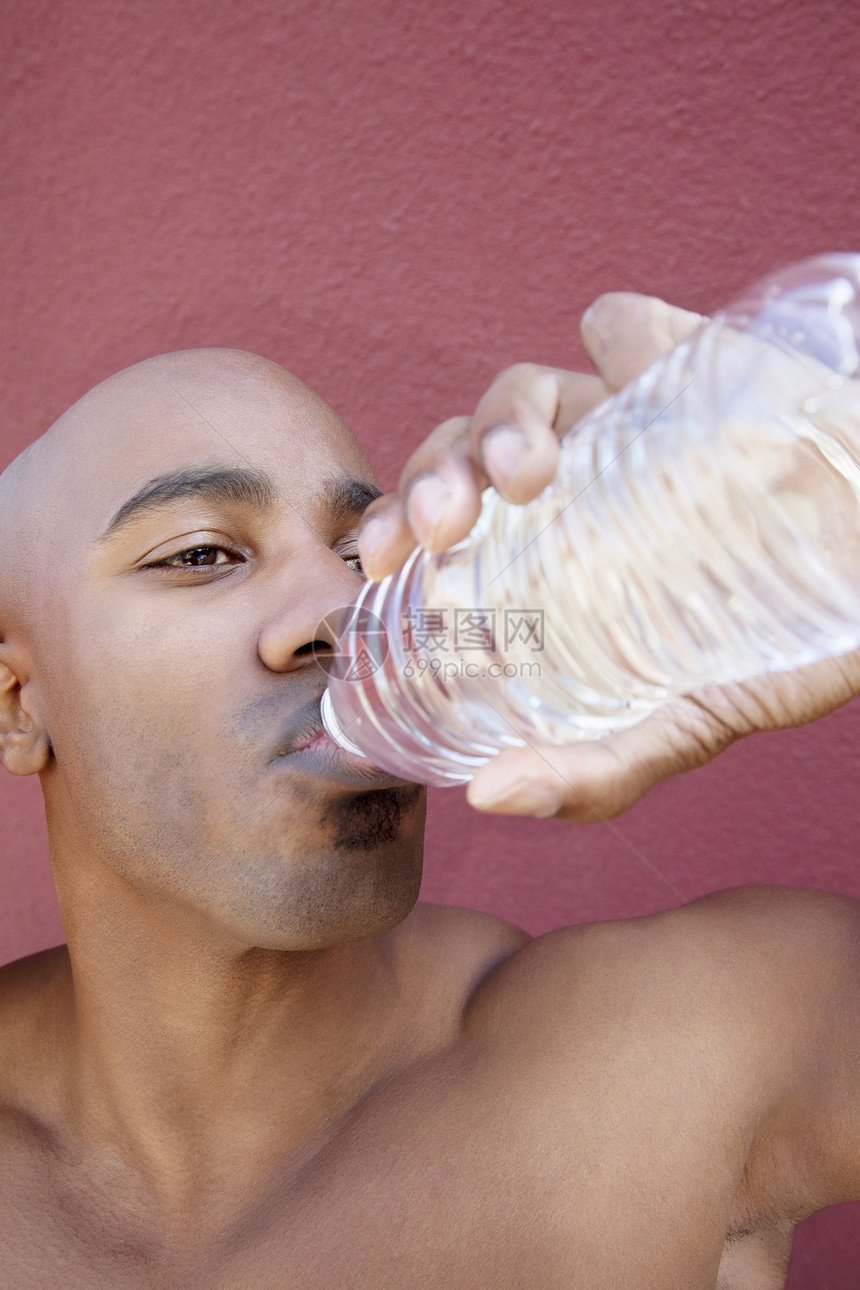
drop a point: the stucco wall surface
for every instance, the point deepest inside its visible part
(396, 200)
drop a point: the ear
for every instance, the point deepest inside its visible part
(24, 747)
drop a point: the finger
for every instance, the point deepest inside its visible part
(595, 780)
(582, 784)
(578, 393)
(441, 486)
(438, 503)
(384, 537)
(516, 426)
(624, 333)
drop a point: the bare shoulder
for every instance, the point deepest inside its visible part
(735, 1020)
(456, 922)
(744, 922)
(762, 958)
(463, 945)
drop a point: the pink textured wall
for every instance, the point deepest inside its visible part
(395, 199)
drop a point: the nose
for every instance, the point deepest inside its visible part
(300, 632)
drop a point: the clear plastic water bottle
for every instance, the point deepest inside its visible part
(704, 526)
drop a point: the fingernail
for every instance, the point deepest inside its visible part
(522, 796)
(426, 506)
(591, 317)
(598, 314)
(593, 328)
(504, 449)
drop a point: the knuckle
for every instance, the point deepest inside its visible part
(415, 472)
(714, 722)
(445, 436)
(608, 306)
(682, 322)
(512, 388)
(520, 375)
(429, 459)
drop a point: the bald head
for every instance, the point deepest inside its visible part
(15, 512)
(211, 405)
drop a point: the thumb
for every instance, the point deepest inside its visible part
(590, 781)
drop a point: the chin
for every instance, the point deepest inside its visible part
(360, 877)
(373, 819)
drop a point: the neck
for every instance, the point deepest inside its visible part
(184, 1044)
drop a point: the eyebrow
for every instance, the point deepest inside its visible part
(253, 488)
(348, 497)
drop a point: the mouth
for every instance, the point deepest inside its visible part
(318, 739)
(306, 749)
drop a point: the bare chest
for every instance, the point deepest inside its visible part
(447, 1190)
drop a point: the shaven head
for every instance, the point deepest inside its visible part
(143, 417)
(169, 549)
(19, 513)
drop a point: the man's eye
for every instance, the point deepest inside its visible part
(197, 557)
(354, 562)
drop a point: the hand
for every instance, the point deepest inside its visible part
(512, 443)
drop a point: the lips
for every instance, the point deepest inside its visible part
(302, 728)
(321, 738)
(319, 756)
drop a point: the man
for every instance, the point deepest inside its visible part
(257, 1064)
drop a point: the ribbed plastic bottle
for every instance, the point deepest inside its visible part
(704, 526)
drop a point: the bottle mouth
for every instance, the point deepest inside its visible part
(333, 728)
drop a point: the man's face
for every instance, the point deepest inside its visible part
(200, 523)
